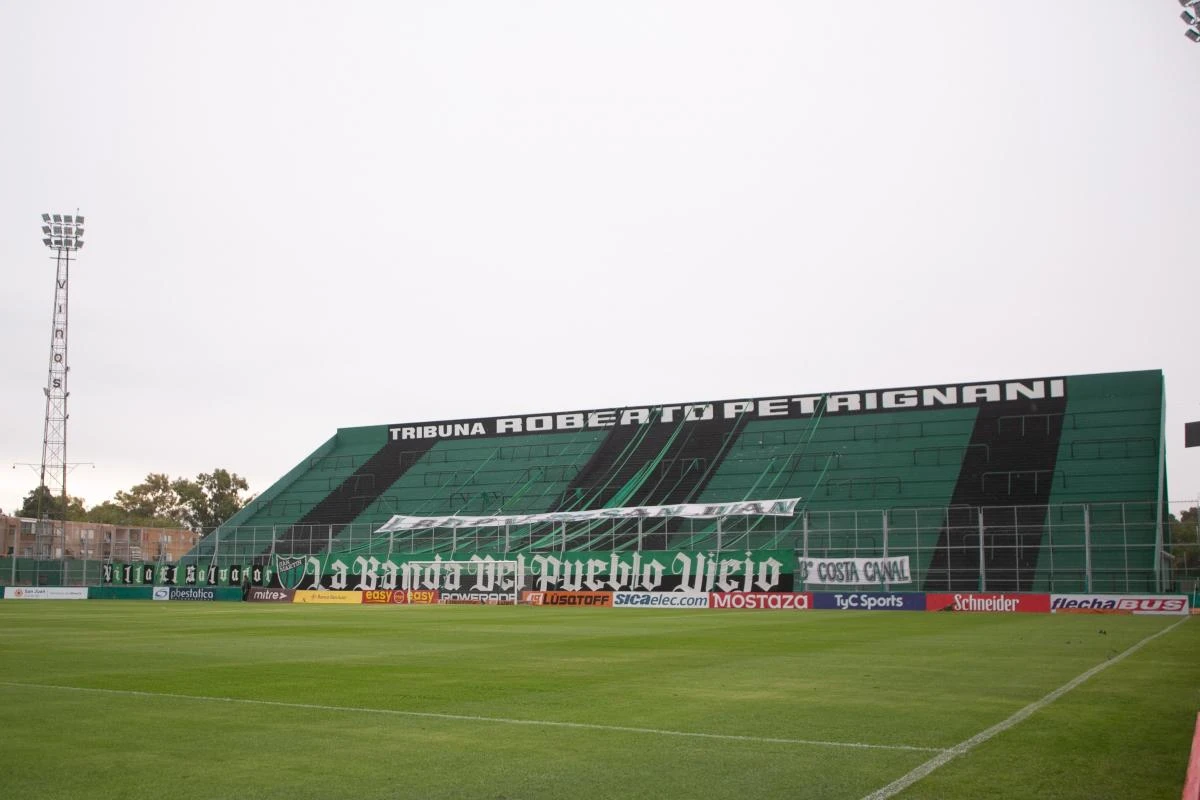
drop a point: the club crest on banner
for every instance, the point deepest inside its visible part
(290, 570)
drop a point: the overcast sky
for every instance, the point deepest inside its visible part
(304, 216)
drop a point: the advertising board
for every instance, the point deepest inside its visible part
(45, 593)
(989, 601)
(120, 592)
(326, 597)
(578, 599)
(191, 593)
(659, 600)
(869, 601)
(448, 597)
(1118, 604)
(258, 594)
(376, 597)
(761, 601)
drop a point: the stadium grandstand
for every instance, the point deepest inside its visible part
(1042, 484)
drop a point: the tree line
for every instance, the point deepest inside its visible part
(157, 502)
(1185, 541)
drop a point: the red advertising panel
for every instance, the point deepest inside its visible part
(380, 596)
(400, 596)
(792, 601)
(1002, 602)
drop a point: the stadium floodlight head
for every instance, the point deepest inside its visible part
(66, 232)
(1191, 19)
(45, 217)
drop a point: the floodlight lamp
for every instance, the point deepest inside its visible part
(1192, 34)
(79, 219)
(46, 229)
(46, 242)
(45, 217)
(79, 245)
(58, 217)
(58, 243)
(1188, 17)
(1186, 3)
(79, 231)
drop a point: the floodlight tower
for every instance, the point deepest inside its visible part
(63, 234)
(1190, 19)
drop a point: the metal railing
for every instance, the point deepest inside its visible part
(1102, 547)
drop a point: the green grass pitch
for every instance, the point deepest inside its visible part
(120, 699)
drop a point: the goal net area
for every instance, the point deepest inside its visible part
(489, 582)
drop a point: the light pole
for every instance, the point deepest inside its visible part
(63, 234)
(1189, 17)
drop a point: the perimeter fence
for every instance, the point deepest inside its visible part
(1101, 547)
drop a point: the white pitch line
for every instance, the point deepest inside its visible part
(902, 783)
(468, 718)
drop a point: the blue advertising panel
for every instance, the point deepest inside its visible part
(869, 601)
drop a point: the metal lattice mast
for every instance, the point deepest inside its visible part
(63, 234)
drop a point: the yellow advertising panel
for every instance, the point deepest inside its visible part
(327, 597)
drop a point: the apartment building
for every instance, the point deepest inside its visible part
(24, 538)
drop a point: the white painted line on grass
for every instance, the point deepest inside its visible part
(468, 718)
(900, 784)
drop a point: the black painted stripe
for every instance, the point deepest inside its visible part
(352, 496)
(684, 471)
(1011, 462)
